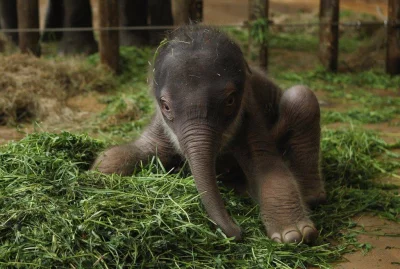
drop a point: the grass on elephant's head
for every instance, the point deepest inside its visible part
(57, 214)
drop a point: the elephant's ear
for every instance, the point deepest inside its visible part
(249, 73)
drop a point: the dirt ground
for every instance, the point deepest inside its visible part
(381, 234)
(384, 238)
(236, 11)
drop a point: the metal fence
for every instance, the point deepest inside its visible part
(327, 46)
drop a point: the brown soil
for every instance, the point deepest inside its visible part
(225, 11)
(387, 93)
(85, 108)
(86, 104)
(390, 131)
(384, 237)
(302, 59)
(236, 11)
(7, 134)
(81, 111)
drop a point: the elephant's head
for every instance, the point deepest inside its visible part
(199, 84)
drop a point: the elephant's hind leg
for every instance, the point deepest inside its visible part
(273, 186)
(300, 132)
(231, 175)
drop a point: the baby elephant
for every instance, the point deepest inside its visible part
(221, 115)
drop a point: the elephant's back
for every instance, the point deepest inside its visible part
(266, 94)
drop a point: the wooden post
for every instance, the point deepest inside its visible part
(108, 39)
(180, 11)
(196, 10)
(251, 17)
(264, 46)
(8, 18)
(329, 34)
(28, 17)
(259, 9)
(2, 45)
(393, 38)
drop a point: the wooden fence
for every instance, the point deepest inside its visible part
(109, 35)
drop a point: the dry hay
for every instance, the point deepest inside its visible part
(37, 89)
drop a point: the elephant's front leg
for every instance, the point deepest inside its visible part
(8, 18)
(283, 211)
(77, 13)
(123, 159)
(273, 186)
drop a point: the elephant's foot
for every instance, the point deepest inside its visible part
(233, 231)
(116, 160)
(85, 49)
(301, 231)
(284, 211)
(49, 36)
(77, 43)
(292, 225)
(314, 199)
(134, 38)
(312, 190)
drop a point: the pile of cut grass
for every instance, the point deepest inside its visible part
(364, 115)
(36, 89)
(57, 214)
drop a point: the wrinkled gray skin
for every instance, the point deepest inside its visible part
(222, 116)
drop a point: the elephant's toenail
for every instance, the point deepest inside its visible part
(309, 234)
(292, 237)
(322, 196)
(276, 237)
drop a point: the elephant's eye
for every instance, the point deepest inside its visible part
(166, 108)
(230, 105)
(230, 101)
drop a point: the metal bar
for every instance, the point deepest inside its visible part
(264, 47)
(83, 29)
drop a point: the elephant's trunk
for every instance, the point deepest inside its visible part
(200, 145)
